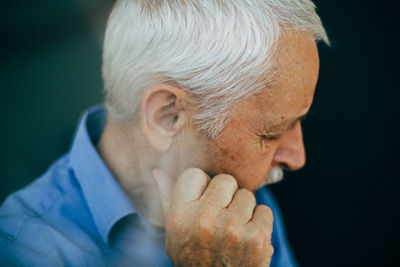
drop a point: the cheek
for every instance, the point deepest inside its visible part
(246, 163)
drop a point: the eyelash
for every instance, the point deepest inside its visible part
(270, 137)
(264, 139)
(277, 136)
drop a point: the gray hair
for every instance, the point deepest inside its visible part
(219, 51)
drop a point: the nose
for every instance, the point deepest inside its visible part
(290, 152)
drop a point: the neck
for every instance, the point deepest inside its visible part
(120, 152)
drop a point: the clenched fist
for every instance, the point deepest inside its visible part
(213, 223)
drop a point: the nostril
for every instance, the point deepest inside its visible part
(285, 166)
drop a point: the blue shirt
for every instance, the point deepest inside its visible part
(77, 214)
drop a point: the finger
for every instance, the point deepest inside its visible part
(190, 186)
(220, 191)
(243, 204)
(263, 217)
(165, 186)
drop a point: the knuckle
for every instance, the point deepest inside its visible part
(266, 210)
(205, 223)
(258, 243)
(232, 232)
(255, 239)
(226, 179)
(246, 194)
(193, 173)
(255, 233)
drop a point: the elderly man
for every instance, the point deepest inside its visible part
(203, 108)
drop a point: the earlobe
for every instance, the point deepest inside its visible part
(163, 115)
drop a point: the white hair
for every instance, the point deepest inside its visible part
(219, 51)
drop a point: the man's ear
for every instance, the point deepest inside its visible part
(162, 115)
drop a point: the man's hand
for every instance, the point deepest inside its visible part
(212, 223)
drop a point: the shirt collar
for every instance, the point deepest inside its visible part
(106, 199)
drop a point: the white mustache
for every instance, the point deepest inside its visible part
(275, 175)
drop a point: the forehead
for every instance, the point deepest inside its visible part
(292, 91)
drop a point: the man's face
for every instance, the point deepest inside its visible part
(265, 131)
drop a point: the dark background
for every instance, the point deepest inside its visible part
(342, 209)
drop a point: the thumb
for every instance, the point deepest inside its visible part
(165, 186)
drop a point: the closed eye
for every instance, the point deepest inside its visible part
(270, 137)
